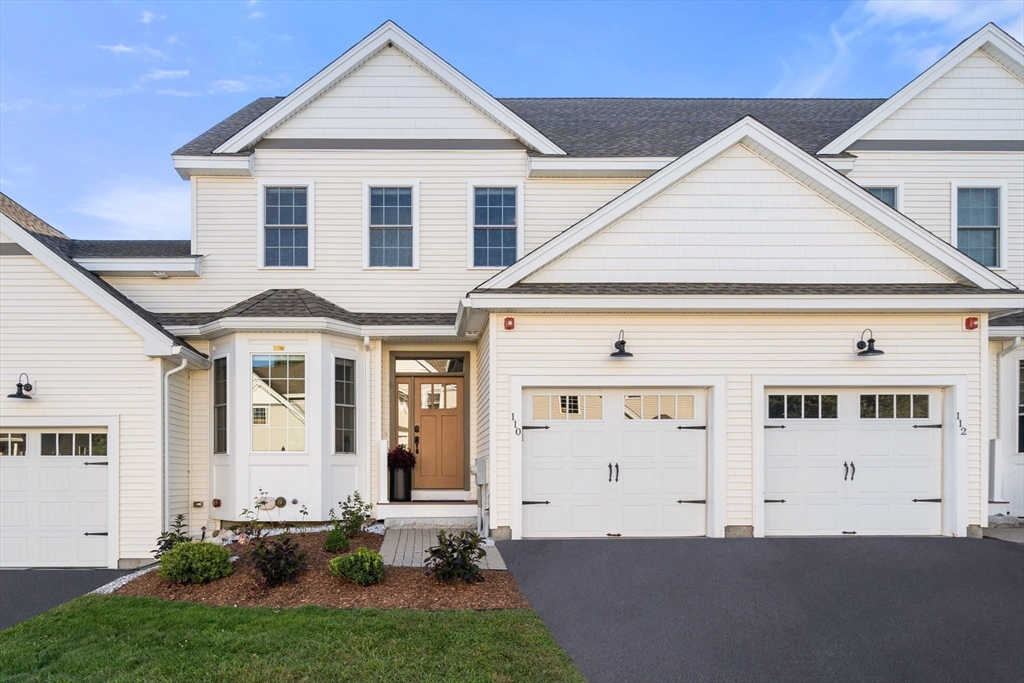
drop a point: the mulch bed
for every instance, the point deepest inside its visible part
(402, 587)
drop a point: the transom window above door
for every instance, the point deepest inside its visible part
(495, 225)
(285, 227)
(391, 227)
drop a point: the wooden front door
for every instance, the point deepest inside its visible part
(438, 432)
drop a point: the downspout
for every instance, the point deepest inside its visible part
(999, 403)
(167, 442)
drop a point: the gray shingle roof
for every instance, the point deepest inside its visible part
(219, 134)
(131, 248)
(1009, 320)
(592, 126)
(301, 303)
(58, 243)
(738, 289)
(672, 127)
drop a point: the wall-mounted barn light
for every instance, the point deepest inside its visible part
(22, 388)
(867, 348)
(620, 347)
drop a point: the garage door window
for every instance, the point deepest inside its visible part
(894, 406)
(803, 406)
(655, 407)
(12, 444)
(64, 443)
(568, 407)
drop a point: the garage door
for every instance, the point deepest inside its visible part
(853, 461)
(53, 498)
(629, 462)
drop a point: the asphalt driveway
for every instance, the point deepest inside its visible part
(842, 609)
(25, 593)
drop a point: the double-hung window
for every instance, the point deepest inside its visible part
(344, 405)
(495, 224)
(391, 227)
(886, 194)
(977, 224)
(285, 227)
(278, 403)
(220, 405)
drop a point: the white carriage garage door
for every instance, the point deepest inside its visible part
(53, 498)
(853, 461)
(629, 462)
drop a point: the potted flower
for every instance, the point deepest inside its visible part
(400, 464)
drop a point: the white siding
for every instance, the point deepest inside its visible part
(928, 179)
(738, 219)
(738, 347)
(552, 205)
(976, 100)
(390, 97)
(84, 362)
(483, 389)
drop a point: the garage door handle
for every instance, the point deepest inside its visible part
(95, 533)
(616, 471)
(609, 471)
(94, 463)
(853, 470)
(846, 471)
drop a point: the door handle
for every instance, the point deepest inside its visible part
(846, 471)
(416, 442)
(853, 470)
(609, 471)
(616, 471)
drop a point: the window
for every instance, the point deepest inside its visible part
(1020, 410)
(63, 443)
(285, 227)
(894, 406)
(886, 194)
(803, 406)
(977, 224)
(658, 407)
(391, 227)
(567, 407)
(279, 403)
(220, 405)
(344, 405)
(494, 227)
(406, 366)
(12, 444)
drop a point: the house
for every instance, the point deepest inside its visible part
(586, 317)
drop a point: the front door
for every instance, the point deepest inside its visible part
(436, 416)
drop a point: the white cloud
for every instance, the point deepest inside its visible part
(173, 92)
(139, 209)
(163, 75)
(229, 85)
(256, 15)
(119, 49)
(172, 39)
(252, 3)
(147, 17)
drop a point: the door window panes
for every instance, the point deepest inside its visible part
(68, 443)
(803, 406)
(12, 443)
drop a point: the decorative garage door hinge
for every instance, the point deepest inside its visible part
(780, 500)
(536, 427)
(536, 502)
(927, 426)
(94, 463)
(775, 426)
(698, 427)
(95, 533)
(927, 500)
(702, 502)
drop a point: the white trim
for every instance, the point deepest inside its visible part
(84, 419)
(189, 167)
(156, 343)
(596, 167)
(990, 36)
(415, 186)
(225, 326)
(954, 450)
(954, 212)
(193, 191)
(833, 187)
(716, 433)
(1002, 333)
(261, 215)
(885, 183)
(505, 183)
(388, 34)
(189, 266)
(841, 164)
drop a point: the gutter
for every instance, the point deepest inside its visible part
(167, 441)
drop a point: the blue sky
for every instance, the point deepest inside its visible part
(95, 96)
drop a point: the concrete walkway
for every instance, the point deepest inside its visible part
(408, 548)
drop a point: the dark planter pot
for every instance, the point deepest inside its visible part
(400, 486)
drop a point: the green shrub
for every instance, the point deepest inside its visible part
(336, 541)
(353, 513)
(196, 563)
(364, 566)
(276, 559)
(169, 539)
(456, 557)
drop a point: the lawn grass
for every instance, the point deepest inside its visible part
(114, 638)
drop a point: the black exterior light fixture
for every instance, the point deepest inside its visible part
(867, 348)
(22, 388)
(620, 347)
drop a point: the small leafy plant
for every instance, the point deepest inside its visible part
(277, 559)
(364, 567)
(456, 557)
(195, 563)
(336, 541)
(353, 514)
(401, 458)
(168, 539)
